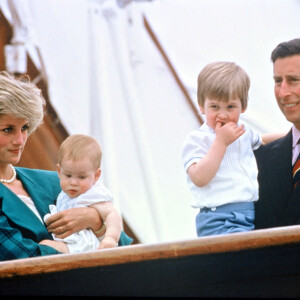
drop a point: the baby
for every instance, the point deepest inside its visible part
(78, 167)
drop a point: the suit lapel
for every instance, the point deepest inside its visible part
(290, 209)
(277, 169)
(18, 212)
(37, 193)
(284, 162)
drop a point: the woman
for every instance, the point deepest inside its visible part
(25, 194)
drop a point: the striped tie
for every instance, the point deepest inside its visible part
(296, 173)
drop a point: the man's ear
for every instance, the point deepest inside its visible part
(58, 169)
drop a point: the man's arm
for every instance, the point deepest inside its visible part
(270, 137)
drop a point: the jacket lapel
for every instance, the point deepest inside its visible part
(38, 194)
(291, 205)
(277, 166)
(18, 212)
(284, 162)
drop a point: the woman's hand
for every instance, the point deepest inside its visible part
(59, 246)
(72, 220)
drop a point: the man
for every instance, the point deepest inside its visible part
(279, 201)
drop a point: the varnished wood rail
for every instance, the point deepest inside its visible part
(137, 253)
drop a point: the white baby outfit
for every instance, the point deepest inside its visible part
(84, 240)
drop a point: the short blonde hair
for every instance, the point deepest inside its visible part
(78, 146)
(223, 81)
(21, 99)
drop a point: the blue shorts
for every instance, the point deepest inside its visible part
(228, 218)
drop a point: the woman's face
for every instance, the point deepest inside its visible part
(13, 137)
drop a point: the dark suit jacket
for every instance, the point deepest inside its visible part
(277, 204)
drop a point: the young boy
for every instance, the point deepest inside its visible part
(218, 157)
(78, 167)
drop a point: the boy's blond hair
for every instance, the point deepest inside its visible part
(78, 146)
(223, 81)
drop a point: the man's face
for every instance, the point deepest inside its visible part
(286, 74)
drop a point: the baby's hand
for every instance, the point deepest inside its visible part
(108, 242)
(229, 132)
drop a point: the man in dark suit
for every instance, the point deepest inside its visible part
(279, 201)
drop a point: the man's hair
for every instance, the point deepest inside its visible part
(286, 49)
(21, 99)
(223, 81)
(78, 146)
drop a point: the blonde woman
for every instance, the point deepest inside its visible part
(25, 194)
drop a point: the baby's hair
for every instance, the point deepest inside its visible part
(78, 146)
(223, 81)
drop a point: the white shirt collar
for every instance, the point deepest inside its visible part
(296, 135)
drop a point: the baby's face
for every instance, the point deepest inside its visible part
(76, 177)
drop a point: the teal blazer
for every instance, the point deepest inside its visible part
(20, 229)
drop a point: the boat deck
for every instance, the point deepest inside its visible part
(260, 263)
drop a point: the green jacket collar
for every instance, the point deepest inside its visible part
(18, 212)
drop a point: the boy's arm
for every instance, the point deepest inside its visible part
(270, 137)
(204, 170)
(113, 223)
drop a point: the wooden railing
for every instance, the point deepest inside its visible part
(137, 253)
